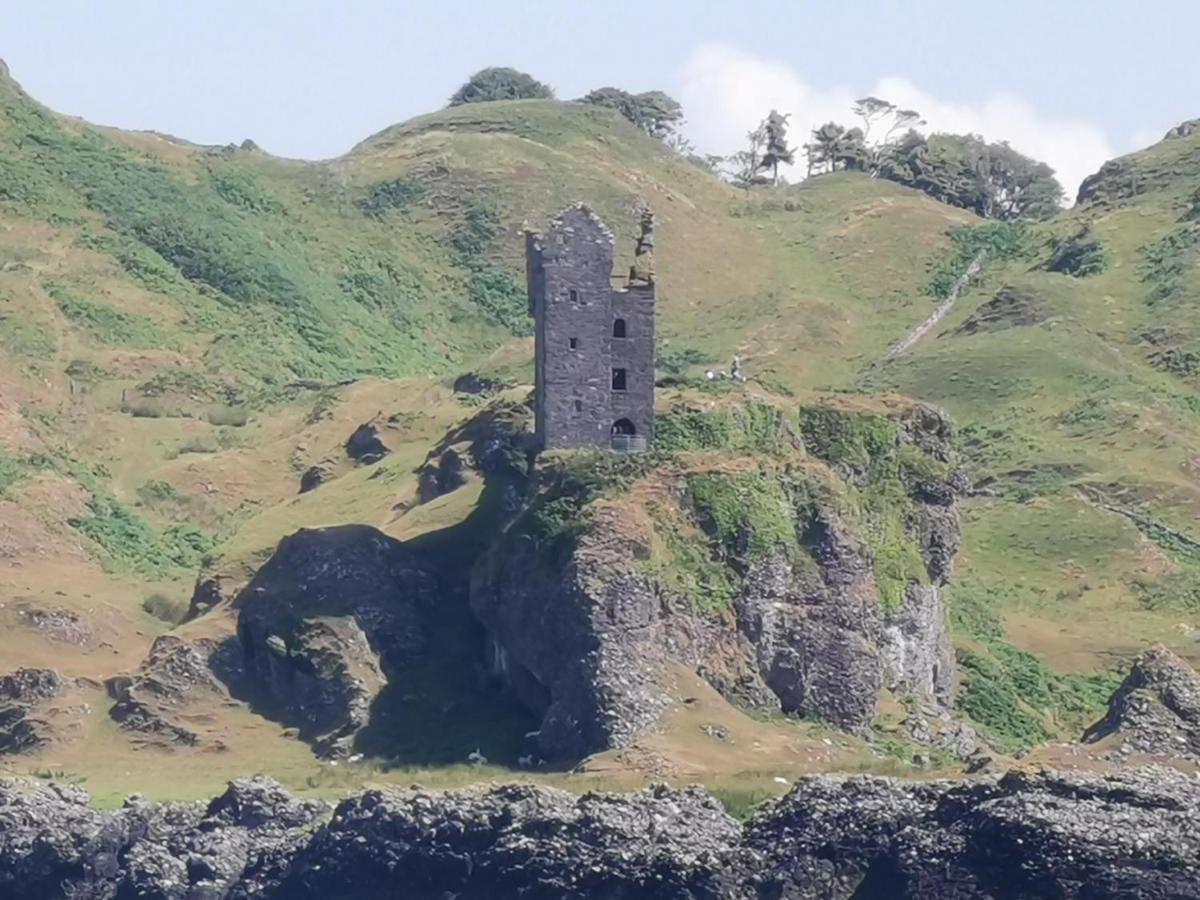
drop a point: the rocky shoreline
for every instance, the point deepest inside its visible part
(1130, 834)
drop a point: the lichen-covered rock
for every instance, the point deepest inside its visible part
(1156, 709)
(583, 644)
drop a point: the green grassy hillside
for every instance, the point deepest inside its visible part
(177, 322)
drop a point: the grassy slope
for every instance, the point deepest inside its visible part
(131, 264)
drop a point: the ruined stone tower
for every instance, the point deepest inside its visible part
(594, 344)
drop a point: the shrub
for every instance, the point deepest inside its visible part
(841, 438)
(224, 415)
(1167, 263)
(675, 359)
(1079, 254)
(1001, 240)
(748, 513)
(129, 540)
(11, 471)
(500, 83)
(397, 195)
(757, 427)
(104, 323)
(171, 610)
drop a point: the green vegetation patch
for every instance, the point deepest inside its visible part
(130, 541)
(1167, 265)
(1015, 698)
(397, 195)
(860, 441)
(105, 323)
(493, 290)
(23, 338)
(755, 427)
(1002, 241)
(11, 471)
(886, 513)
(1079, 254)
(1173, 592)
(242, 188)
(748, 513)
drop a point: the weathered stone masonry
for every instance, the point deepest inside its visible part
(594, 344)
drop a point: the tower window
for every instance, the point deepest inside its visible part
(618, 379)
(574, 295)
(618, 328)
(578, 406)
(574, 343)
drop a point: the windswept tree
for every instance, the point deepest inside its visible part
(742, 168)
(500, 83)
(883, 124)
(993, 179)
(835, 147)
(654, 112)
(775, 149)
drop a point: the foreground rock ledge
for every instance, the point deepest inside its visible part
(1135, 834)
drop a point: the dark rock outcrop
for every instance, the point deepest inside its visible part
(315, 476)
(54, 845)
(321, 625)
(474, 383)
(1130, 835)
(1156, 709)
(21, 693)
(1022, 836)
(441, 478)
(153, 700)
(518, 841)
(365, 445)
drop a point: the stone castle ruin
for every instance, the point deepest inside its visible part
(594, 343)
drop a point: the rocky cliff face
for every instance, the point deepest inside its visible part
(1132, 835)
(798, 583)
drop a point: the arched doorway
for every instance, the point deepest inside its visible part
(624, 426)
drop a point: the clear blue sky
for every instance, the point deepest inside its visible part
(310, 78)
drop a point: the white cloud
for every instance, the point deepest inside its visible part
(726, 92)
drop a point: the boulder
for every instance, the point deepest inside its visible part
(441, 478)
(154, 700)
(366, 445)
(315, 476)
(474, 383)
(22, 692)
(1156, 709)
